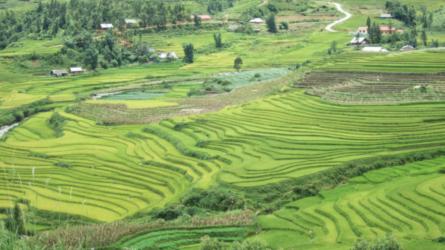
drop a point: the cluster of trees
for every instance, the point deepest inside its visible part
(215, 6)
(201, 201)
(71, 17)
(105, 51)
(386, 243)
(208, 243)
(403, 12)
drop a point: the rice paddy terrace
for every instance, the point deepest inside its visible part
(107, 173)
(407, 201)
(150, 142)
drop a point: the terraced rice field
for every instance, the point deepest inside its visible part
(107, 173)
(424, 61)
(361, 88)
(183, 237)
(407, 201)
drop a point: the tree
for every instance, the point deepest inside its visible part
(284, 26)
(16, 222)
(218, 40)
(197, 21)
(208, 243)
(91, 58)
(271, 24)
(368, 23)
(238, 63)
(189, 53)
(250, 245)
(424, 38)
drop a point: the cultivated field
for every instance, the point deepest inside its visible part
(406, 201)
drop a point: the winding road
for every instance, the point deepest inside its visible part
(348, 15)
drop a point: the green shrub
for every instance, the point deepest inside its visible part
(208, 243)
(386, 243)
(56, 122)
(62, 164)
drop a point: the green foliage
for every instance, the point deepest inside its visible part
(16, 222)
(197, 21)
(189, 52)
(271, 24)
(403, 12)
(199, 201)
(20, 113)
(218, 40)
(61, 164)
(250, 245)
(56, 122)
(386, 243)
(208, 243)
(284, 26)
(238, 63)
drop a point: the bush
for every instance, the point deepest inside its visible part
(56, 122)
(386, 243)
(208, 243)
(214, 199)
(250, 245)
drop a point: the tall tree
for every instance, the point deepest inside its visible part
(19, 220)
(92, 58)
(237, 64)
(271, 24)
(189, 53)
(424, 38)
(197, 21)
(218, 40)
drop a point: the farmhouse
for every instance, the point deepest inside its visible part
(359, 41)
(168, 56)
(362, 30)
(385, 29)
(203, 17)
(407, 48)
(256, 21)
(106, 26)
(131, 22)
(76, 70)
(385, 16)
(59, 72)
(374, 50)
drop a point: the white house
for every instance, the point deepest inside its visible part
(374, 50)
(256, 21)
(359, 41)
(76, 70)
(59, 72)
(407, 48)
(168, 56)
(106, 26)
(131, 22)
(385, 16)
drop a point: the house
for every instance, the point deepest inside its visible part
(359, 41)
(203, 17)
(385, 16)
(168, 56)
(59, 72)
(374, 50)
(385, 29)
(76, 70)
(131, 22)
(256, 21)
(362, 30)
(407, 48)
(106, 26)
